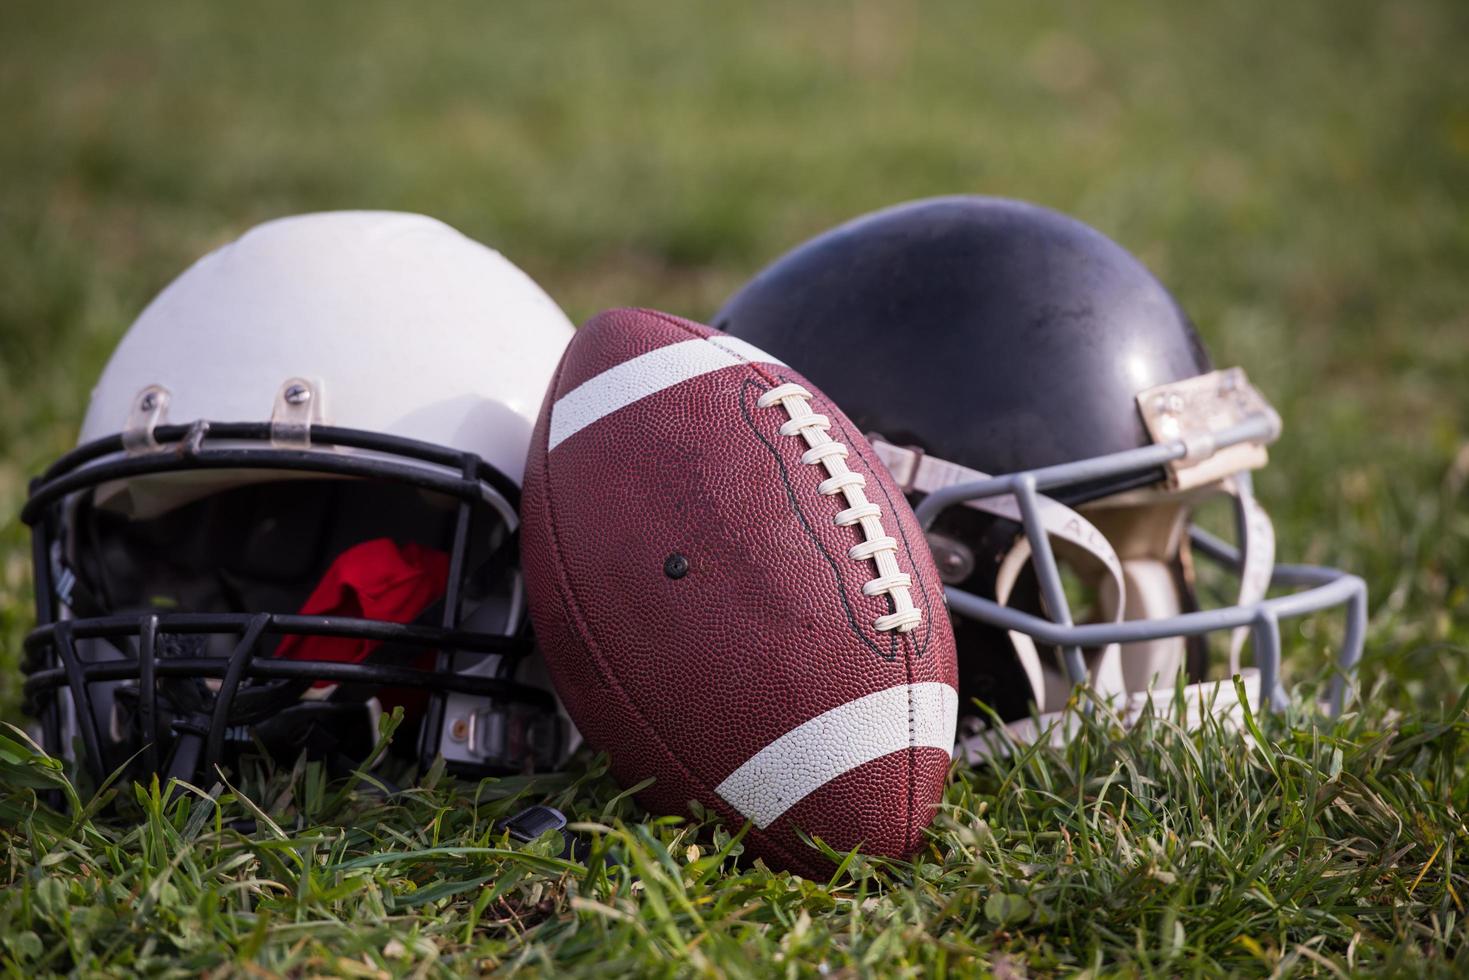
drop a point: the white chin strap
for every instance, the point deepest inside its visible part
(1127, 676)
(1257, 552)
(1215, 700)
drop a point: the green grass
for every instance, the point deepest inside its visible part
(1295, 172)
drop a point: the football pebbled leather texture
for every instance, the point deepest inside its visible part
(700, 608)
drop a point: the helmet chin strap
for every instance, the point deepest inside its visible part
(1256, 536)
(1139, 585)
(1206, 699)
(1152, 593)
(1048, 683)
(1130, 676)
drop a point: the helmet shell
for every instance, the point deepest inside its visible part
(1019, 337)
(408, 327)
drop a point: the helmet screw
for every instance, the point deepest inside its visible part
(459, 730)
(149, 402)
(297, 395)
(954, 560)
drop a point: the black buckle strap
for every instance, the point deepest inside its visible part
(529, 824)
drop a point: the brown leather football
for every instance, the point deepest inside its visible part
(732, 595)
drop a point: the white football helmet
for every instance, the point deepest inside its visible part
(294, 503)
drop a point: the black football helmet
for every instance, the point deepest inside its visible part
(1056, 420)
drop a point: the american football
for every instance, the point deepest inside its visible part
(732, 596)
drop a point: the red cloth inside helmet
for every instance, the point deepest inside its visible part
(377, 579)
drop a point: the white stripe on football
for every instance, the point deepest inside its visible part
(632, 381)
(811, 755)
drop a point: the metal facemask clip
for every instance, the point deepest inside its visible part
(297, 408)
(1194, 411)
(150, 408)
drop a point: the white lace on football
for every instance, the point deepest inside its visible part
(879, 546)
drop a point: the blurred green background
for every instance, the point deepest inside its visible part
(1296, 172)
